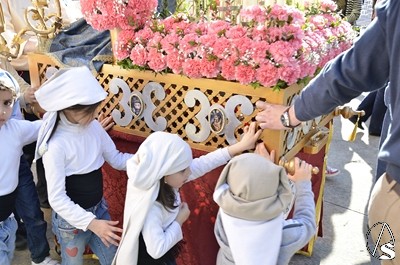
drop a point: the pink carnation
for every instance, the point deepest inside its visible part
(236, 32)
(209, 68)
(222, 47)
(124, 44)
(245, 74)
(267, 75)
(218, 27)
(156, 60)
(328, 5)
(174, 62)
(192, 68)
(110, 14)
(139, 55)
(289, 73)
(253, 13)
(228, 68)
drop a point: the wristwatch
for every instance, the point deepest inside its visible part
(285, 119)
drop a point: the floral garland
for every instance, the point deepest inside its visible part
(124, 14)
(274, 46)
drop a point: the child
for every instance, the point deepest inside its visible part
(74, 147)
(154, 212)
(252, 193)
(14, 134)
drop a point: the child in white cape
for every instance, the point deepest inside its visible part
(74, 147)
(153, 208)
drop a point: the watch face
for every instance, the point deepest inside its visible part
(285, 119)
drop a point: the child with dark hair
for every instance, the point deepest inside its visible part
(154, 212)
(74, 147)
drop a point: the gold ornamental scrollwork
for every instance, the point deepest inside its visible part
(44, 25)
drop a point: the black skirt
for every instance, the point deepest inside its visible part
(168, 259)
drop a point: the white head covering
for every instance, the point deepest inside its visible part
(10, 81)
(161, 154)
(66, 88)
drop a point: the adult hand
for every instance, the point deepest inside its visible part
(29, 96)
(269, 116)
(106, 230)
(106, 122)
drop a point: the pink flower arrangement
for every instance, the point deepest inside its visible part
(124, 14)
(276, 46)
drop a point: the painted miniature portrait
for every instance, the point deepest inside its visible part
(136, 104)
(217, 120)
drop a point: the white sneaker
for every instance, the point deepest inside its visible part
(47, 261)
(331, 171)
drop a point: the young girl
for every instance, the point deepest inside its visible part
(154, 212)
(74, 147)
(253, 194)
(14, 134)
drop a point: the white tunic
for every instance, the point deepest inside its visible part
(160, 231)
(14, 134)
(75, 149)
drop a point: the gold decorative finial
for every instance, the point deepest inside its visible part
(289, 166)
(347, 112)
(45, 26)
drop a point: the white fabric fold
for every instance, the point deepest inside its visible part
(9, 81)
(262, 242)
(161, 154)
(66, 88)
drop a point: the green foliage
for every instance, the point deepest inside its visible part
(127, 64)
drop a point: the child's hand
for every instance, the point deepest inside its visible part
(106, 122)
(183, 214)
(106, 231)
(262, 151)
(302, 170)
(248, 140)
